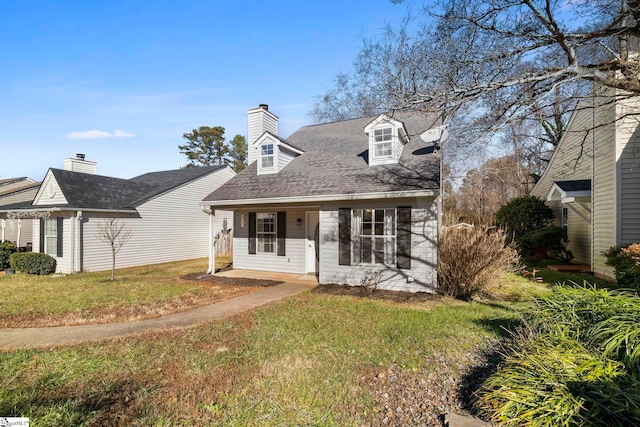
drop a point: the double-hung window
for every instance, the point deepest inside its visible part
(374, 236)
(51, 236)
(266, 156)
(266, 232)
(565, 223)
(382, 146)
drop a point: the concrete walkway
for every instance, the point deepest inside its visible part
(13, 339)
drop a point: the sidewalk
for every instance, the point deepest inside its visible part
(13, 339)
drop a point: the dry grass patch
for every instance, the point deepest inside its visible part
(88, 298)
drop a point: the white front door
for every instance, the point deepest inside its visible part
(313, 241)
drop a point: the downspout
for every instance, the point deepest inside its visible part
(78, 249)
(2, 222)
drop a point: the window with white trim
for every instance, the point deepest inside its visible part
(51, 236)
(374, 236)
(565, 223)
(266, 232)
(382, 143)
(266, 156)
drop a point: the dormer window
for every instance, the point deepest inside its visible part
(266, 156)
(387, 137)
(382, 147)
(274, 153)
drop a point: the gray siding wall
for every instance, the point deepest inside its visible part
(284, 157)
(171, 227)
(259, 121)
(44, 199)
(423, 248)
(26, 231)
(603, 191)
(628, 161)
(14, 185)
(64, 264)
(21, 196)
(572, 160)
(579, 233)
(295, 259)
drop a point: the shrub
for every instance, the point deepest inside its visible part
(626, 261)
(33, 263)
(575, 362)
(471, 260)
(6, 249)
(540, 242)
(524, 214)
(553, 381)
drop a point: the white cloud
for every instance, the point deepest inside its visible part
(99, 134)
(122, 134)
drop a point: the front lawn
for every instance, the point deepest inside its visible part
(316, 359)
(137, 293)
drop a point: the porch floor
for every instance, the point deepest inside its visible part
(270, 275)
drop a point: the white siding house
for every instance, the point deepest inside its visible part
(344, 201)
(161, 210)
(599, 146)
(13, 192)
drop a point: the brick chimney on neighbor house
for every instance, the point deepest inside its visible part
(260, 121)
(79, 164)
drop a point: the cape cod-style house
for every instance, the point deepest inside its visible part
(347, 201)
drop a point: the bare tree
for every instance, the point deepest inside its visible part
(486, 189)
(485, 63)
(115, 233)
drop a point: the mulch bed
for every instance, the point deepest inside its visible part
(378, 294)
(234, 281)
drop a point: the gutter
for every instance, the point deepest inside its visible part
(323, 198)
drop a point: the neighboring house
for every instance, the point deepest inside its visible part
(346, 201)
(592, 182)
(161, 209)
(17, 190)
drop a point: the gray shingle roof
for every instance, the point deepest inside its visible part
(575, 185)
(88, 191)
(335, 162)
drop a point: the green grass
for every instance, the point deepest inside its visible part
(31, 296)
(298, 362)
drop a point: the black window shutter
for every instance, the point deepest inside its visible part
(282, 233)
(404, 237)
(344, 236)
(252, 232)
(42, 235)
(59, 237)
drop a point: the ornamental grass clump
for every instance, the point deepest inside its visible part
(577, 364)
(556, 381)
(473, 259)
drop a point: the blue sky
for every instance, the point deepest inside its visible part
(121, 81)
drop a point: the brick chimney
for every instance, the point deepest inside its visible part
(260, 121)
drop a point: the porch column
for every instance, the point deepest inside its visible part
(19, 232)
(2, 222)
(212, 243)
